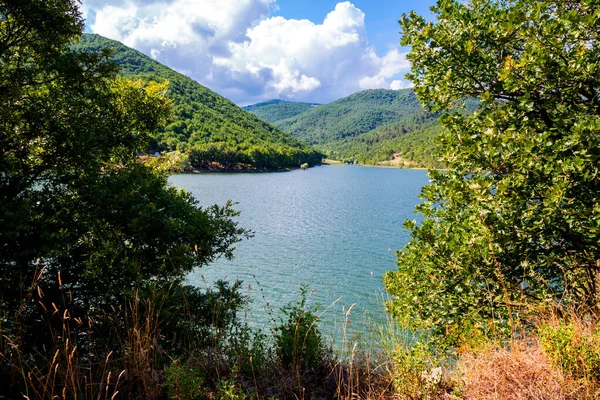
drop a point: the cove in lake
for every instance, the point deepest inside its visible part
(334, 228)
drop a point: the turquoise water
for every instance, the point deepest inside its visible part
(334, 228)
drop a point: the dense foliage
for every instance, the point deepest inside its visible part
(353, 115)
(412, 141)
(515, 224)
(298, 342)
(211, 129)
(367, 127)
(85, 229)
(273, 111)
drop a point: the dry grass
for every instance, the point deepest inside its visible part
(360, 372)
(67, 372)
(519, 372)
(73, 367)
(561, 361)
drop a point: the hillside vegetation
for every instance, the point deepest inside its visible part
(210, 129)
(409, 142)
(353, 115)
(367, 127)
(370, 127)
(274, 111)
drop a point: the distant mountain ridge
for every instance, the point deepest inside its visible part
(353, 115)
(274, 111)
(378, 126)
(409, 142)
(368, 127)
(210, 129)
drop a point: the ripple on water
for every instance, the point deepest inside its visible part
(334, 229)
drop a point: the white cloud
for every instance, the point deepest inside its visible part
(389, 66)
(235, 48)
(154, 53)
(397, 85)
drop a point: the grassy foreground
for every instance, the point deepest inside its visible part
(557, 359)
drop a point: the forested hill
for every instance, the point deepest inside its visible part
(353, 115)
(388, 127)
(274, 111)
(408, 142)
(210, 129)
(368, 127)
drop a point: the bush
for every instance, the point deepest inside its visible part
(183, 383)
(574, 347)
(229, 390)
(298, 341)
(514, 222)
(252, 352)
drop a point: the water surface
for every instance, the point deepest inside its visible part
(333, 228)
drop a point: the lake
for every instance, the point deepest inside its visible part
(334, 228)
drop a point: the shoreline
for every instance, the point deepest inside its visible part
(236, 171)
(398, 167)
(326, 162)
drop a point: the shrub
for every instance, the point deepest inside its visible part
(251, 351)
(229, 390)
(416, 370)
(574, 347)
(298, 341)
(183, 383)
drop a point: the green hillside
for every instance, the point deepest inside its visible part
(274, 111)
(210, 129)
(407, 143)
(373, 127)
(367, 127)
(351, 116)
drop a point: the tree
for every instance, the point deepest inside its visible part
(515, 223)
(202, 118)
(80, 218)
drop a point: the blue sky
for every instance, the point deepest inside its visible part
(381, 16)
(255, 50)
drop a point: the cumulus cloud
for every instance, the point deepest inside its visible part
(236, 49)
(397, 85)
(389, 66)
